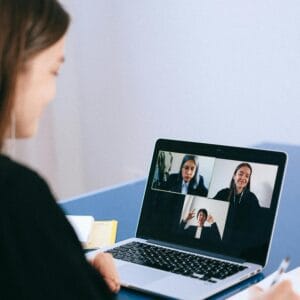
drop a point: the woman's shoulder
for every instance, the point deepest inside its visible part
(249, 193)
(251, 196)
(224, 191)
(13, 170)
(18, 180)
(173, 177)
(222, 194)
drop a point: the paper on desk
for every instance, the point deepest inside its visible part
(293, 276)
(82, 226)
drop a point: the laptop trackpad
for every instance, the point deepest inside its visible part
(137, 275)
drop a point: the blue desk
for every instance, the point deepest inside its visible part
(123, 203)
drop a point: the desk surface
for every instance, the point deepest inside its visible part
(124, 202)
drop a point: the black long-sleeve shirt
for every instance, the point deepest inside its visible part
(40, 255)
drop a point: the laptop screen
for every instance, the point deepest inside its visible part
(213, 198)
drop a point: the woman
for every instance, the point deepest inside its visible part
(40, 255)
(186, 182)
(244, 214)
(207, 236)
(239, 190)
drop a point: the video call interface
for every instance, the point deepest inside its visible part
(212, 204)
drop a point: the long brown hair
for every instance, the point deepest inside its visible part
(27, 28)
(232, 184)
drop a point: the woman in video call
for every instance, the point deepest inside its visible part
(206, 235)
(239, 193)
(186, 181)
(243, 212)
(41, 257)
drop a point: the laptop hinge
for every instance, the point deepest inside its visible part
(197, 251)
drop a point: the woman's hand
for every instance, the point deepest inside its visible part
(190, 215)
(104, 264)
(282, 290)
(210, 219)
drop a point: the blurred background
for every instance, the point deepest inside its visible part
(212, 71)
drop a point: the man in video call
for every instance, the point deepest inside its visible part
(207, 235)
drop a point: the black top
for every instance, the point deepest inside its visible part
(242, 209)
(210, 235)
(174, 184)
(243, 221)
(40, 255)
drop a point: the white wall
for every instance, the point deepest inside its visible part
(211, 71)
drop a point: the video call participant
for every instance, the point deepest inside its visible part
(241, 224)
(239, 190)
(207, 235)
(162, 170)
(40, 254)
(186, 181)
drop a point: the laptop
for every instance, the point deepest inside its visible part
(206, 221)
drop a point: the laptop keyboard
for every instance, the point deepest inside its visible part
(175, 261)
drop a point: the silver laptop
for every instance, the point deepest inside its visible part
(206, 221)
